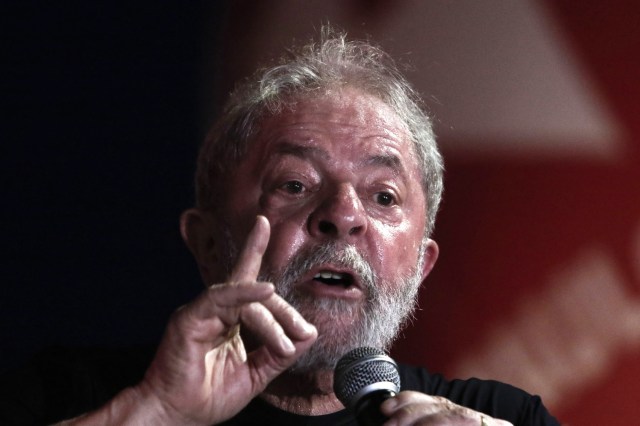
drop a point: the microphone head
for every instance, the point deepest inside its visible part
(363, 371)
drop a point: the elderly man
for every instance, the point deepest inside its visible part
(317, 193)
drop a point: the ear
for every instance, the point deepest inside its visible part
(196, 228)
(430, 256)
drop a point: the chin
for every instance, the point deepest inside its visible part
(342, 326)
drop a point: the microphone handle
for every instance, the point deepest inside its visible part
(368, 410)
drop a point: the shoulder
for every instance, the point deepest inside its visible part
(494, 398)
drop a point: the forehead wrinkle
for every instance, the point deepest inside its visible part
(300, 151)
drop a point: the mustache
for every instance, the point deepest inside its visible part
(340, 255)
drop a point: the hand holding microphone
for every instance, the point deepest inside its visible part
(366, 377)
(363, 379)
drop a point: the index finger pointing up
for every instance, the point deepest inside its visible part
(250, 259)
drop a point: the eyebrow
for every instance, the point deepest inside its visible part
(388, 160)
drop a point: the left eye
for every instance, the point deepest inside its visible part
(384, 198)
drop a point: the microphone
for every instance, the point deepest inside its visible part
(362, 380)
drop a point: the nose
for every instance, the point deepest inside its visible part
(339, 215)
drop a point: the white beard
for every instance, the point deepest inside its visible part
(344, 325)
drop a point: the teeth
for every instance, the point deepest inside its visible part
(328, 275)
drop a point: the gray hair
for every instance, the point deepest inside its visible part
(315, 69)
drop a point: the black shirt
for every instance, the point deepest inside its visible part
(61, 383)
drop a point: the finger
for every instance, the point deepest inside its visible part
(410, 407)
(266, 365)
(250, 259)
(264, 326)
(220, 297)
(294, 324)
(277, 324)
(407, 407)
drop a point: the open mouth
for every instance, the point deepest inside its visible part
(334, 278)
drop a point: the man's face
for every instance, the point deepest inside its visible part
(338, 180)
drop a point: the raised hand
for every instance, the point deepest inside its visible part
(202, 373)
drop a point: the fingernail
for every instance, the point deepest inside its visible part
(287, 345)
(308, 328)
(390, 404)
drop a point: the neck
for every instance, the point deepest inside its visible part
(308, 394)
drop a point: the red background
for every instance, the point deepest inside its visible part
(543, 250)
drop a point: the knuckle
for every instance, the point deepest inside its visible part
(406, 414)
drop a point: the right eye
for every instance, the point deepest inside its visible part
(293, 187)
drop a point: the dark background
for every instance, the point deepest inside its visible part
(102, 117)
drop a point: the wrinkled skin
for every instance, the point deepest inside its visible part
(338, 167)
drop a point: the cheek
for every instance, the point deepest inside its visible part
(396, 249)
(288, 235)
